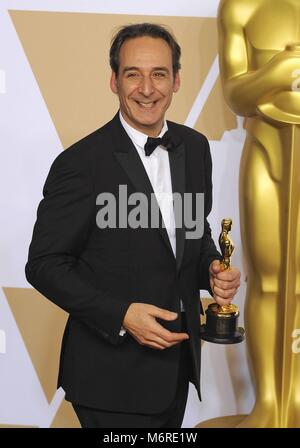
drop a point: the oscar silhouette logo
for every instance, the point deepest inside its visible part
(221, 321)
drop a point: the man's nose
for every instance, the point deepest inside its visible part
(146, 86)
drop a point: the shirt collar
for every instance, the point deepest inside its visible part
(138, 137)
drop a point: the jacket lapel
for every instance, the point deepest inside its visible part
(177, 167)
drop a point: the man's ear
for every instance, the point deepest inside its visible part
(176, 83)
(114, 82)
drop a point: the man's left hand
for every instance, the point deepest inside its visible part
(224, 284)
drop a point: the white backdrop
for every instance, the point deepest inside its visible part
(29, 143)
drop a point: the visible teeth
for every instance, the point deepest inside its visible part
(147, 105)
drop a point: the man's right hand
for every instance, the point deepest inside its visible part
(140, 322)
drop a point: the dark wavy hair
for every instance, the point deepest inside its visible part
(140, 30)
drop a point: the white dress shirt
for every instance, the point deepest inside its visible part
(157, 167)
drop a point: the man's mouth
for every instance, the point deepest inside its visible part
(146, 104)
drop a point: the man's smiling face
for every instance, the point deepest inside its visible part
(145, 83)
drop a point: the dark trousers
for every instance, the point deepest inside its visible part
(170, 418)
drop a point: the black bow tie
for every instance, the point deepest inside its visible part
(152, 143)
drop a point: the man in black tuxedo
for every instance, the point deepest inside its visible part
(131, 344)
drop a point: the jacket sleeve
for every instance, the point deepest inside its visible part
(65, 218)
(209, 251)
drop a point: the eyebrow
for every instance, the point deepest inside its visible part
(127, 69)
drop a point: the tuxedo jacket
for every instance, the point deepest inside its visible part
(94, 273)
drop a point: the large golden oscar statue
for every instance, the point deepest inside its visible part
(260, 70)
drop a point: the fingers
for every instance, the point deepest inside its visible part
(162, 313)
(224, 284)
(225, 293)
(140, 321)
(160, 338)
(154, 341)
(226, 280)
(161, 344)
(215, 267)
(171, 337)
(151, 344)
(164, 337)
(228, 276)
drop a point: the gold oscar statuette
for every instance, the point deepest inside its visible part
(221, 321)
(259, 50)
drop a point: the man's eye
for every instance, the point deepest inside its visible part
(159, 75)
(132, 75)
